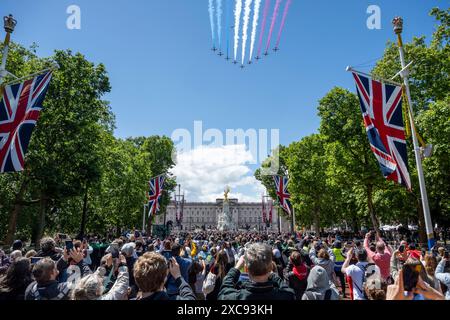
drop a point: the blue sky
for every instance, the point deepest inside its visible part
(164, 75)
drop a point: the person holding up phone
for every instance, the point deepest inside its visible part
(443, 273)
(91, 286)
(381, 257)
(151, 272)
(410, 286)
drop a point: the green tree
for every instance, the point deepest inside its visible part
(351, 160)
(311, 195)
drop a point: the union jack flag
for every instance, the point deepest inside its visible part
(381, 107)
(154, 194)
(281, 184)
(20, 107)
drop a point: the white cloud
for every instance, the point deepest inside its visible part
(205, 171)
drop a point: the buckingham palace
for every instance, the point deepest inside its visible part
(245, 215)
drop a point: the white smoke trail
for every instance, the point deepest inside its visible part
(211, 19)
(219, 22)
(255, 25)
(237, 20)
(245, 27)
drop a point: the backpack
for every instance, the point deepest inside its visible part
(363, 269)
(209, 283)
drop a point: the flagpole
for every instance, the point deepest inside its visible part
(9, 25)
(398, 28)
(143, 219)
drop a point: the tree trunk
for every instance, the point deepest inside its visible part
(422, 232)
(355, 226)
(149, 225)
(41, 226)
(317, 221)
(84, 214)
(371, 209)
(15, 213)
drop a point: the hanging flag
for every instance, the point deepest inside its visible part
(381, 107)
(20, 107)
(154, 195)
(264, 216)
(283, 195)
(270, 211)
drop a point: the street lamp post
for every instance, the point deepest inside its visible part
(398, 29)
(9, 25)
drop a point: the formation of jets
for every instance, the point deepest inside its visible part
(257, 58)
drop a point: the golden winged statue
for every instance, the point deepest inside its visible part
(226, 192)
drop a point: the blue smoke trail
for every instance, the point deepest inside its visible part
(227, 27)
(219, 22)
(211, 18)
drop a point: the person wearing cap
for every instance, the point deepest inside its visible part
(357, 272)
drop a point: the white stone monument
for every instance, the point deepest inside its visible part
(225, 219)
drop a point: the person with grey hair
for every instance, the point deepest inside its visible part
(48, 249)
(91, 287)
(15, 255)
(263, 283)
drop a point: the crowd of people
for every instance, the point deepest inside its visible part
(213, 265)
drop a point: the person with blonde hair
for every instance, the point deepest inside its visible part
(430, 263)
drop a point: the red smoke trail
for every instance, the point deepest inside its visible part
(274, 19)
(263, 26)
(286, 10)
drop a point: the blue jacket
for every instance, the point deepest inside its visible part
(185, 265)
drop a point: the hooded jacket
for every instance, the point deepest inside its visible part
(297, 279)
(327, 264)
(318, 284)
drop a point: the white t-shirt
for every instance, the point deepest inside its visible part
(355, 271)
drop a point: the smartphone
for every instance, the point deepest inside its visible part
(401, 249)
(411, 275)
(35, 260)
(446, 255)
(69, 245)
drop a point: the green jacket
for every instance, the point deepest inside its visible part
(274, 289)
